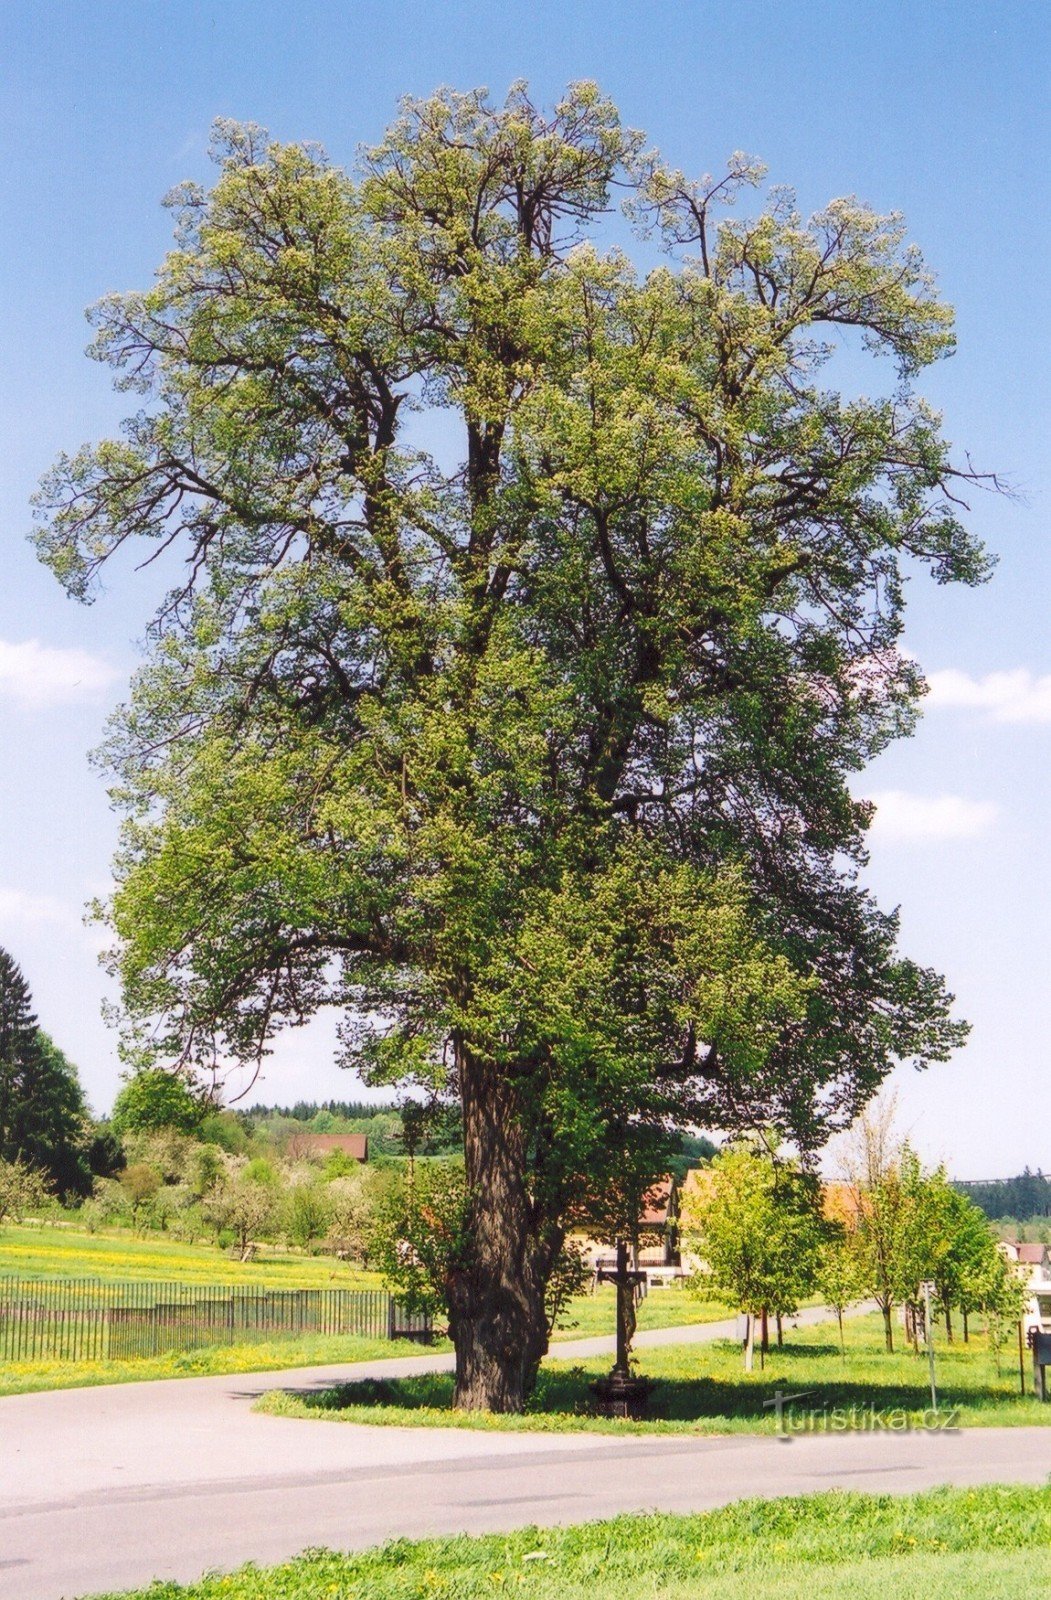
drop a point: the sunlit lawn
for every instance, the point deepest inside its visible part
(950, 1544)
(47, 1252)
(592, 1314)
(703, 1389)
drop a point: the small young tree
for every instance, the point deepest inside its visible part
(246, 1205)
(894, 1241)
(351, 1198)
(963, 1249)
(22, 1189)
(306, 1212)
(839, 1278)
(757, 1227)
(141, 1182)
(1003, 1296)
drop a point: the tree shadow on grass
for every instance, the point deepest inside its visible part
(565, 1395)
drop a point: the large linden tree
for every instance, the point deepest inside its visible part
(533, 612)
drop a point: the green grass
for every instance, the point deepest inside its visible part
(701, 1389)
(592, 1314)
(49, 1252)
(66, 1252)
(27, 1377)
(949, 1544)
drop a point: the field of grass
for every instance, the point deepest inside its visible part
(702, 1389)
(47, 1252)
(592, 1314)
(974, 1544)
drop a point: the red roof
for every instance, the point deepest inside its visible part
(319, 1144)
(655, 1202)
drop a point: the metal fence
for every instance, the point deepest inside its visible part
(87, 1319)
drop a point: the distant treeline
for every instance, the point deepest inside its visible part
(307, 1110)
(1028, 1195)
(390, 1131)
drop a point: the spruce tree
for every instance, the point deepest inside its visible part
(42, 1110)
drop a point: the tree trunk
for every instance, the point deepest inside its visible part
(842, 1336)
(749, 1343)
(764, 1341)
(496, 1294)
(888, 1327)
(965, 1327)
(780, 1332)
(947, 1308)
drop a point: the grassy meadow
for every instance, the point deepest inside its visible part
(66, 1252)
(701, 1389)
(949, 1544)
(42, 1251)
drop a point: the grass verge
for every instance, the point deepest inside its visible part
(947, 1544)
(701, 1389)
(27, 1377)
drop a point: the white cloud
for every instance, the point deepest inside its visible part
(35, 676)
(908, 817)
(36, 910)
(45, 916)
(1016, 696)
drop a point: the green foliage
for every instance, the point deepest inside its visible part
(307, 1213)
(152, 1100)
(1027, 1195)
(536, 762)
(839, 1278)
(141, 1182)
(23, 1189)
(419, 1236)
(758, 1229)
(225, 1129)
(245, 1204)
(43, 1116)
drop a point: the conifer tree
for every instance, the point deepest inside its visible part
(43, 1118)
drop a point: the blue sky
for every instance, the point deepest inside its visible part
(937, 109)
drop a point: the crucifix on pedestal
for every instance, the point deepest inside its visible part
(621, 1395)
(626, 1280)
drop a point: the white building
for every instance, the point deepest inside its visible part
(1034, 1262)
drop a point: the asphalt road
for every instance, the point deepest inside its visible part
(105, 1488)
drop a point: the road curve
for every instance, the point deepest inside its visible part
(105, 1488)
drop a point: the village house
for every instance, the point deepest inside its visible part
(303, 1146)
(1034, 1264)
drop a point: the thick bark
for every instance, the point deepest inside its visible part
(496, 1295)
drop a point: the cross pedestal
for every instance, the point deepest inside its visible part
(622, 1394)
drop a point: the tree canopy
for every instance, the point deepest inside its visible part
(152, 1099)
(535, 613)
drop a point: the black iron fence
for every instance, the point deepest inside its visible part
(85, 1319)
